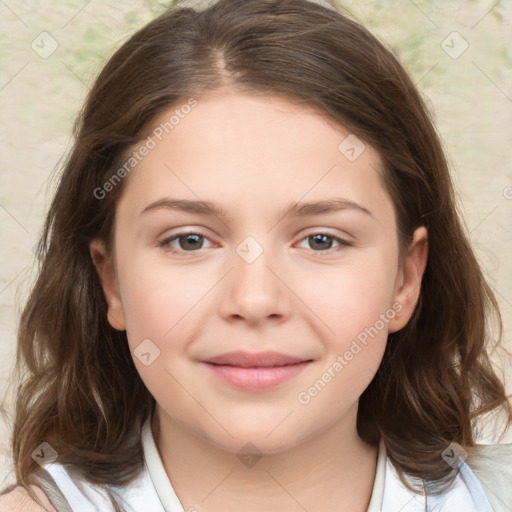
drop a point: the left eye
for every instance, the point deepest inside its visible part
(320, 239)
(192, 241)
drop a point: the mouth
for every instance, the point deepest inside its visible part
(255, 371)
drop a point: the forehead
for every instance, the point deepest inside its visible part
(241, 149)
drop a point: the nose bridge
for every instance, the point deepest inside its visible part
(254, 291)
(254, 257)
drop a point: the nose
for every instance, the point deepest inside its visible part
(255, 289)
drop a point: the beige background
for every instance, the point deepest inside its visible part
(469, 91)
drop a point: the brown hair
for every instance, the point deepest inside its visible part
(81, 392)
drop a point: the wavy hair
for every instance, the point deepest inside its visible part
(79, 389)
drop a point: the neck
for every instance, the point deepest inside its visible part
(333, 471)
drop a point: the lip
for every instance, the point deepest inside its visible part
(257, 370)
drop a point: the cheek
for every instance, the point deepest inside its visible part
(354, 304)
(158, 303)
(351, 297)
(158, 299)
(357, 310)
(341, 382)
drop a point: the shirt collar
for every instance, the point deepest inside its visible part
(171, 503)
(380, 479)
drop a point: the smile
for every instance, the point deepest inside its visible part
(255, 371)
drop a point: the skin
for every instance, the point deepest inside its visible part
(253, 155)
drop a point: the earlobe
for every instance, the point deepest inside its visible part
(104, 264)
(408, 289)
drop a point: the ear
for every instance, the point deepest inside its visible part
(104, 263)
(408, 283)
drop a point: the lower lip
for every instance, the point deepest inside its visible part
(256, 378)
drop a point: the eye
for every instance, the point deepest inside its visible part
(323, 242)
(189, 241)
(192, 241)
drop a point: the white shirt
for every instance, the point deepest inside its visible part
(152, 490)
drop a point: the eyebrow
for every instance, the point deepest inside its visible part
(294, 209)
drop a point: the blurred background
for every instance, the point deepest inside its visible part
(457, 51)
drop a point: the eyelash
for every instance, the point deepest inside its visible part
(165, 243)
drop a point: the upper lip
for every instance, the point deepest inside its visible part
(254, 359)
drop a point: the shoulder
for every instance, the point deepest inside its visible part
(19, 500)
(484, 457)
(492, 465)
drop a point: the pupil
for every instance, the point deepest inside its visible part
(321, 238)
(187, 239)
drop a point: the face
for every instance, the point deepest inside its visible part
(304, 300)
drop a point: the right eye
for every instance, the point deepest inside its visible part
(190, 241)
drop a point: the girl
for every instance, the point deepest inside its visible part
(257, 370)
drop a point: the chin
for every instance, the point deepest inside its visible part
(269, 437)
